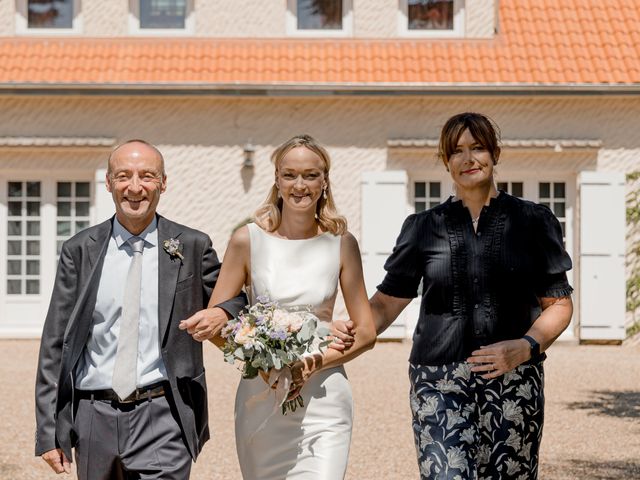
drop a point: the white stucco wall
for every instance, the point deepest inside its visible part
(481, 16)
(255, 18)
(202, 139)
(105, 19)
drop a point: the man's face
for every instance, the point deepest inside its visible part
(136, 181)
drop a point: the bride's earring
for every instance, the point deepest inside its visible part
(324, 193)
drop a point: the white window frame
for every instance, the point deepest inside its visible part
(22, 22)
(33, 307)
(292, 22)
(134, 23)
(458, 30)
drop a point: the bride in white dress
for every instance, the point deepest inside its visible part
(296, 253)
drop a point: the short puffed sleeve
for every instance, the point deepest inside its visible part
(403, 265)
(553, 261)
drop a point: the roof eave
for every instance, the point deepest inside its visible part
(296, 89)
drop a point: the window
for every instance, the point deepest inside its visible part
(513, 188)
(48, 16)
(73, 202)
(439, 18)
(319, 17)
(23, 238)
(319, 14)
(430, 14)
(50, 13)
(161, 17)
(163, 13)
(553, 195)
(426, 195)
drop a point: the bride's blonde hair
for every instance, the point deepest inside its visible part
(269, 215)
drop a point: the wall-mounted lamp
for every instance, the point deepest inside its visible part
(249, 151)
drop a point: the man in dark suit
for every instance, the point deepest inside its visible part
(117, 379)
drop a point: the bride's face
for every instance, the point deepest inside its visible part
(300, 179)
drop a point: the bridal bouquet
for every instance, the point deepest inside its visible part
(269, 337)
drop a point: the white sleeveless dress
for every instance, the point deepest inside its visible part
(312, 442)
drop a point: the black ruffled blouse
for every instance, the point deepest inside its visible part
(478, 287)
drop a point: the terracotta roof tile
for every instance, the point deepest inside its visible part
(540, 42)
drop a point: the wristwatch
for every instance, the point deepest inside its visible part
(535, 346)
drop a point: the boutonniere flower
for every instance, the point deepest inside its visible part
(173, 247)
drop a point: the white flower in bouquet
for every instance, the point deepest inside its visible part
(267, 336)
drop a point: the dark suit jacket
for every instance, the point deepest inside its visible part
(184, 288)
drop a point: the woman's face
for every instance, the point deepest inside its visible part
(300, 179)
(470, 164)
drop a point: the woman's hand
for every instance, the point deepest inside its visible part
(499, 358)
(343, 334)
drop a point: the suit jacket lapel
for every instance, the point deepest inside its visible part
(168, 269)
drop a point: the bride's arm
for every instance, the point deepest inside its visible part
(207, 324)
(355, 298)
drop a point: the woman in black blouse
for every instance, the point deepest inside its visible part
(494, 297)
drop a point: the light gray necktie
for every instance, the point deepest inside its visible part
(125, 370)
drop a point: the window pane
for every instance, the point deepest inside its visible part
(33, 267)
(420, 206)
(64, 189)
(59, 246)
(15, 227)
(81, 225)
(63, 229)
(33, 209)
(421, 189)
(33, 247)
(163, 13)
(15, 189)
(82, 209)
(558, 209)
(33, 287)
(82, 189)
(14, 267)
(50, 13)
(14, 247)
(545, 204)
(33, 228)
(430, 14)
(319, 14)
(13, 287)
(558, 190)
(64, 209)
(434, 189)
(33, 189)
(15, 209)
(517, 189)
(433, 204)
(544, 190)
(503, 186)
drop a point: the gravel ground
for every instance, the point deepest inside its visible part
(592, 428)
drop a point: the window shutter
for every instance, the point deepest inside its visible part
(602, 256)
(384, 208)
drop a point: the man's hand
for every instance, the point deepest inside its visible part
(343, 334)
(57, 460)
(499, 358)
(205, 324)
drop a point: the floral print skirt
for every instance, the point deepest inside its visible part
(466, 427)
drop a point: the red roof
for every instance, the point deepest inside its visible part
(540, 42)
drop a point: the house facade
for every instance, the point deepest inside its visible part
(218, 84)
